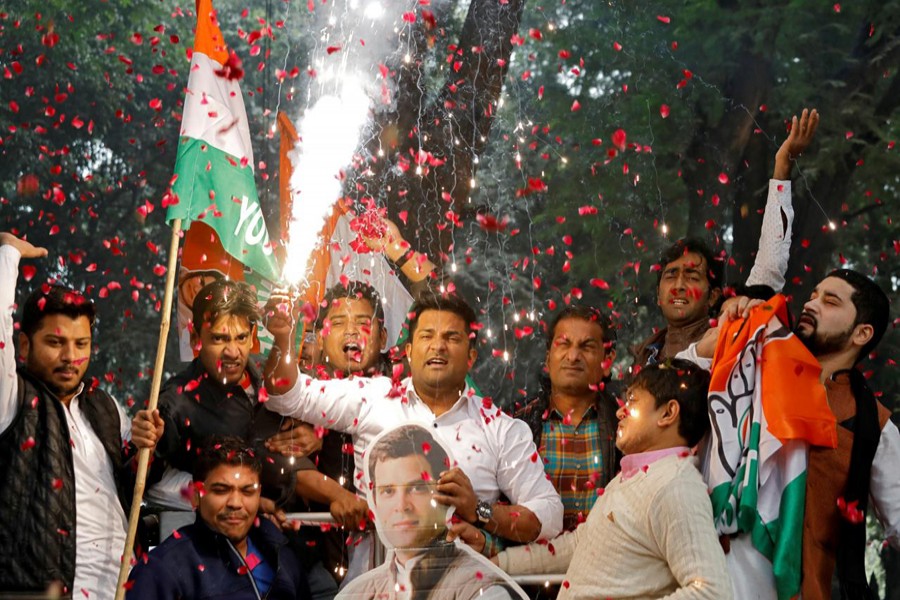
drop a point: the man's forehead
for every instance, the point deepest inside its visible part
(688, 261)
(576, 328)
(350, 306)
(441, 319)
(403, 469)
(836, 287)
(65, 326)
(232, 475)
(225, 324)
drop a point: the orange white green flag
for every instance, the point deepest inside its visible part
(767, 407)
(214, 182)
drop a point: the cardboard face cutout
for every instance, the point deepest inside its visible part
(403, 466)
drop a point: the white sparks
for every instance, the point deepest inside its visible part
(330, 133)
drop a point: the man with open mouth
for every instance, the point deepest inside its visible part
(690, 277)
(495, 453)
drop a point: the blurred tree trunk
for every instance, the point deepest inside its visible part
(430, 151)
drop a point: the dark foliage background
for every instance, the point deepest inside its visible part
(521, 100)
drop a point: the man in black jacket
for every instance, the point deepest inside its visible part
(65, 459)
(221, 394)
(573, 420)
(228, 552)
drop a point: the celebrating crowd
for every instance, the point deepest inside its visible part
(611, 486)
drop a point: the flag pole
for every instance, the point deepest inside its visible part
(144, 453)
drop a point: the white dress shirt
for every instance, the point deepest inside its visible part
(774, 249)
(494, 450)
(100, 521)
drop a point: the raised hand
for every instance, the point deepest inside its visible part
(802, 132)
(280, 313)
(391, 242)
(26, 249)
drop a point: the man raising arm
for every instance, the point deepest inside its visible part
(495, 453)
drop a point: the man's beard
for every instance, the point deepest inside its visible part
(820, 344)
(55, 389)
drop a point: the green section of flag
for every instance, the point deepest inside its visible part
(214, 188)
(736, 508)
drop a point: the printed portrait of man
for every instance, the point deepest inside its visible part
(403, 466)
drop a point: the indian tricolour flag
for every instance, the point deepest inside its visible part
(214, 181)
(214, 188)
(767, 406)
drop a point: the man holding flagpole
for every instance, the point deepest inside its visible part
(65, 457)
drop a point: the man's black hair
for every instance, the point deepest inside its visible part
(453, 303)
(224, 297)
(54, 300)
(687, 384)
(225, 450)
(409, 440)
(584, 313)
(872, 306)
(354, 290)
(715, 268)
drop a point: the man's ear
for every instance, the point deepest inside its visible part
(861, 335)
(24, 345)
(195, 338)
(671, 415)
(607, 364)
(384, 338)
(715, 293)
(195, 497)
(473, 354)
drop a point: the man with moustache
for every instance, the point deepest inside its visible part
(221, 394)
(690, 278)
(843, 321)
(66, 474)
(229, 552)
(573, 420)
(496, 454)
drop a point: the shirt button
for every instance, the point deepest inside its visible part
(435, 425)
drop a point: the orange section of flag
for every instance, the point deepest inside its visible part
(794, 399)
(289, 139)
(203, 251)
(208, 38)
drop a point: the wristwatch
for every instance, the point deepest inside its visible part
(484, 511)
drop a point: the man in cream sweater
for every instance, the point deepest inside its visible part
(650, 533)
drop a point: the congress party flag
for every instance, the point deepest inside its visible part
(214, 181)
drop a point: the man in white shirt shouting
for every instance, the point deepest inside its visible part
(495, 453)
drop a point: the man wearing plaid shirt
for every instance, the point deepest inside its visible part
(573, 420)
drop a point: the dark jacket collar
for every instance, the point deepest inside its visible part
(264, 534)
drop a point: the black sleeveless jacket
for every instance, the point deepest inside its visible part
(37, 484)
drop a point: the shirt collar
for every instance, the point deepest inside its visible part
(412, 397)
(590, 412)
(632, 463)
(73, 401)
